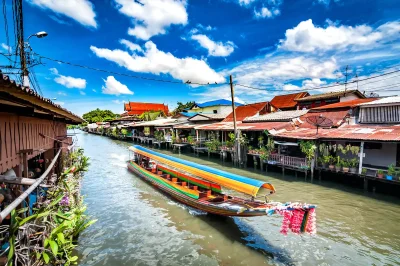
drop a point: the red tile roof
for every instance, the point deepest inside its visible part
(346, 104)
(288, 100)
(337, 118)
(247, 110)
(138, 108)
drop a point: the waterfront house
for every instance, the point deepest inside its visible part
(318, 100)
(221, 107)
(32, 130)
(288, 101)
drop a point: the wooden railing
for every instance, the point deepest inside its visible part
(288, 160)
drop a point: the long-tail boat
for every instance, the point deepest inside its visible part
(200, 187)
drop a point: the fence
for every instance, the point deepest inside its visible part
(290, 161)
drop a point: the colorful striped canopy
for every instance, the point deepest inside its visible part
(235, 182)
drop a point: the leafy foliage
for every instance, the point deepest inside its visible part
(99, 116)
(159, 135)
(308, 148)
(54, 227)
(182, 106)
(151, 115)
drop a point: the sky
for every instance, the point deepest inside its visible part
(269, 46)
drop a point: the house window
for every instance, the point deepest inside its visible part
(215, 111)
(372, 146)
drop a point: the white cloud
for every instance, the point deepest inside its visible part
(327, 2)
(270, 70)
(62, 93)
(306, 37)
(59, 103)
(118, 101)
(80, 10)
(114, 87)
(131, 46)
(214, 48)
(153, 17)
(82, 93)
(246, 2)
(158, 62)
(67, 81)
(6, 47)
(306, 85)
(94, 90)
(266, 13)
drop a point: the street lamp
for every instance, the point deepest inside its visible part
(40, 34)
(24, 67)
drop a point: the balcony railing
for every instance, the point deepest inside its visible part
(290, 161)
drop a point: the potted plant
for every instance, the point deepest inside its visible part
(346, 165)
(190, 140)
(379, 173)
(391, 172)
(338, 165)
(353, 165)
(332, 162)
(364, 171)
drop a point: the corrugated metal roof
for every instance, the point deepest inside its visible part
(25, 93)
(159, 122)
(216, 103)
(337, 117)
(288, 100)
(347, 132)
(277, 116)
(346, 104)
(228, 126)
(383, 101)
(191, 125)
(245, 111)
(207, 117)
(329, 95)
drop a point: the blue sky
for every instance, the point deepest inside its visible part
(279, 46)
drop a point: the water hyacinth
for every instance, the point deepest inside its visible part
(65, 201)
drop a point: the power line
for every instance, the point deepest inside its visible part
(129, 75)
(6, 24)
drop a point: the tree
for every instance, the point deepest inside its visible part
(99, 116)
(182, 106)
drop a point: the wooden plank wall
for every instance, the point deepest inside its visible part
(21, 133)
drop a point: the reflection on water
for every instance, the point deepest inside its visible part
(138, 225)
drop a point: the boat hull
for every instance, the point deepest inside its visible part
(194, 203)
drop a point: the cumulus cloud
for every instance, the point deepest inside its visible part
(114, 87)
(158, 62)
(266, 13)
(62, 93)
(306, 85)
(68, 81)
(131, 46)
(153, 17)
(306, 37)
(80, 10)
(118, 101)
(214, 48)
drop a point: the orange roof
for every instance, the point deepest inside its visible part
(336, 116)
(246, 110)
(288, 100)
(138, 108)
(346, 104)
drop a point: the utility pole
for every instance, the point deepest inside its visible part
(236, 146)
(21, 44)
(345, 84)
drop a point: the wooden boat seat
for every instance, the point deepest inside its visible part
(174, 179)
(205, 194)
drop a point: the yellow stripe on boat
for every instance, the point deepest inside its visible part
(235, 182)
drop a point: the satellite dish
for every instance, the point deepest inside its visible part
(319, 121)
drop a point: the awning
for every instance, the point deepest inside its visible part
(235, 182)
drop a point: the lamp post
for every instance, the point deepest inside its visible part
(24, 67)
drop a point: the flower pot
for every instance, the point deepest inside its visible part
(389, 177)
(337, 168)
(331, 167)
(380, 175)
(346, 169)
(353, 170)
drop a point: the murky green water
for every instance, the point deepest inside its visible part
(138, 225)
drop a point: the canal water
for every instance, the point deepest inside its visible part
(138, 225)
